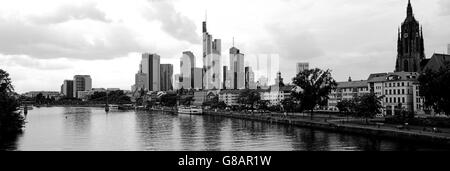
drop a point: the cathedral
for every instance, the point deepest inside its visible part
(410, 46)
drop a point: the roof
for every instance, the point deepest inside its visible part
(352, 84)
(375, 75)
(396, 76)
(437, 62)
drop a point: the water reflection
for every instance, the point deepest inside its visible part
(74, 128)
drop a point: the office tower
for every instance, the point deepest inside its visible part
(176, 84)
(166, 77)
(151, 67)
(211, 61)
(410, 46)
(140, 80)
(187, 65)
(237, 69)
(224, 78)
(198, 78)
(81, 83)
(67, 88)
(302, 66)
(249, 78)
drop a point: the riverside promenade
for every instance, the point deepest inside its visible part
(345, 125)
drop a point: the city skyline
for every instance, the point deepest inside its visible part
(353, 48)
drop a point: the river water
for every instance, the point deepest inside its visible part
(83, 128)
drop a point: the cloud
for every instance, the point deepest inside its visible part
(95, 41)
(173, 22)
(445, 7)
(71, 12)
(32, 63)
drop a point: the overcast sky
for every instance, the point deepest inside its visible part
(44, 42)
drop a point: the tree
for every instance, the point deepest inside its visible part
(10, 119)
(249, 98)
(435, 88)
(368, 105)
(288, 104)
(315, 85)
(169, 100)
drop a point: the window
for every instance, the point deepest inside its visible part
(403, 91)
(386, 92)
(403, 84)
(395, 100)
(403, 100)
(398, 91)
(398, 84)
(390, 91)
(390, 85)
(399, 99)
(390, 99)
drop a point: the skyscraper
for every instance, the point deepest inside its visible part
(166, 77)
(410, 46)
(302, 66)
(249, 78)
(176, 84)
(187, 65)
(151, 67)
(140, 80)
(81, 83)
(211, 61)
(67, 88)
(198, 78)
(237, 69)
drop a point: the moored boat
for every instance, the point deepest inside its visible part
(190, 110)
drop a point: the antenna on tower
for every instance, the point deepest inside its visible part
(206, 15)
(233, 41)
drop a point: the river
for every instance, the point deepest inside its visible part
(91, 129)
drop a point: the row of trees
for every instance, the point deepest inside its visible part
(116, 97)
(11, 121)
(366, 106)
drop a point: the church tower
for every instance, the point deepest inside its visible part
(410, 47)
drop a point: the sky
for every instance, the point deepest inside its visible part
(44, 42)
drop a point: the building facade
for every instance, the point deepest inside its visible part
(229, 97)
(151, 67)
(302, 66)
(212, 51)
(198, 78)
(166, 77)
(67, 88)
(187, 65)
(347, 91)
(81, 83)
(249, 78)
(46, 94)
(237, 69)
(176, 83)
(410, 46)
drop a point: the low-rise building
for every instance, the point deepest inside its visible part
(347, 91)
(275, 95)
(230, 97)
(46, 94)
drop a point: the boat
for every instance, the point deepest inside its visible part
(113, 107)
(190, 110)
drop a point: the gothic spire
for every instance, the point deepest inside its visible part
(409, 10)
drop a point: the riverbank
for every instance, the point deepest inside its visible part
(339, 126)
